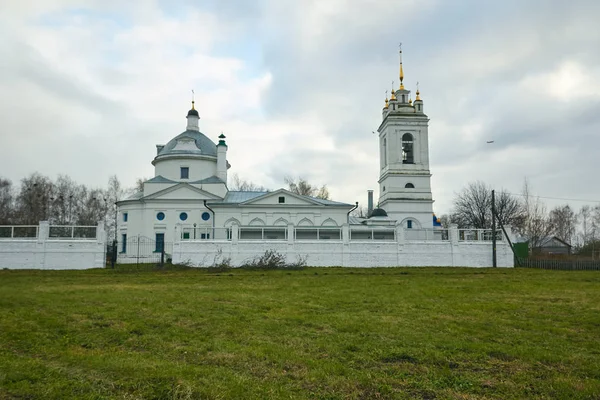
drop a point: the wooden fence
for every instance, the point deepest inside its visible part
(563, 265)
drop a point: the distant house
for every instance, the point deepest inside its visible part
(553, 245)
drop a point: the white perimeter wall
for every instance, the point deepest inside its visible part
(45, 253)
(353, 254)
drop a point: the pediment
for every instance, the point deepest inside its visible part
(182, 191)
(290, 199)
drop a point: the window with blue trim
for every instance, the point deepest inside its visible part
(160, 216)
(125, 217)
(183, 216)
(205, 216)
(185, 172)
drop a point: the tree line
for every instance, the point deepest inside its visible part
(61, 202)
(527, 214)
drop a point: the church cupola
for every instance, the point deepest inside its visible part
(418, 102)
(192, 119)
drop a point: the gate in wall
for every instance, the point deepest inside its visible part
(143, 250)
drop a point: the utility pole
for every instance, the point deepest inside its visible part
(494, 263)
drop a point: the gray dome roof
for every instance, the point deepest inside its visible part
(193, 112)
(378, 212)
(206, 147)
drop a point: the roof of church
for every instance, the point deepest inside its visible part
(160, 179)
(241, 196)
(205, 146)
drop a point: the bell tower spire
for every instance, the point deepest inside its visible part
(401, 69)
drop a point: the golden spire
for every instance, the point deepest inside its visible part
(418, 93)
(193, 95)
(401, 70)
(393, 92)
(409, 101)
(386, 100)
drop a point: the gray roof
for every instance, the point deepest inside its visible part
(205, 146)
(328, 202)
(212, 179)
(160, 179)
(240, 197)
(234, 197)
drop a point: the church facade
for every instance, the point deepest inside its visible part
(187, 211)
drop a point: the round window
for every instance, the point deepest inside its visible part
(183, 216)
(160, 216)
(205, 216)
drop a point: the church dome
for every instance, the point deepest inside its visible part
(193, 112)
(378, 212)
(190, 142)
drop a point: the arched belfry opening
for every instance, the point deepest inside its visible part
(408, 156)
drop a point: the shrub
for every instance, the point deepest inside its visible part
(274, 260)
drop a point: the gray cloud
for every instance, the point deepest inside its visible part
(488, 71)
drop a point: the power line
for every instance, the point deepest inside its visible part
(553, 198)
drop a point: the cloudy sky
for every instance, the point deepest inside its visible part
(90, 87)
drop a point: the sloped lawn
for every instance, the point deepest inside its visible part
(313, 333)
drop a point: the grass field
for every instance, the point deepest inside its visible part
(313, 333)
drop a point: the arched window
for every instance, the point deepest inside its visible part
(409, 186)
(407, 149)
(384, 152)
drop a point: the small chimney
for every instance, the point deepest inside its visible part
(369, 203)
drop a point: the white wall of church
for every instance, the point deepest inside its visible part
(198, 168)
(261, 216)
(142, 218)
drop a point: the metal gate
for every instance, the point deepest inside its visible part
(143, 250)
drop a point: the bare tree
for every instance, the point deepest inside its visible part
(34, 199)
(139, 185)
(360, 212)
(67, 203)
(238, 184)
(537, 226)
(6, 201)
(302, 187)
(587, 224)
(445, 220)
(93, 208)
(596, 222)
(564, 220)
(113, 194)
(472, 207)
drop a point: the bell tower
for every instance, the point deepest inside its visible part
(404, 177)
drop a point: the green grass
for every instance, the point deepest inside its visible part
(315, 333)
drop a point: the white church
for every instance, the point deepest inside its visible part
(188, 208)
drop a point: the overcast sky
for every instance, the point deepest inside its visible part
(90, 87)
